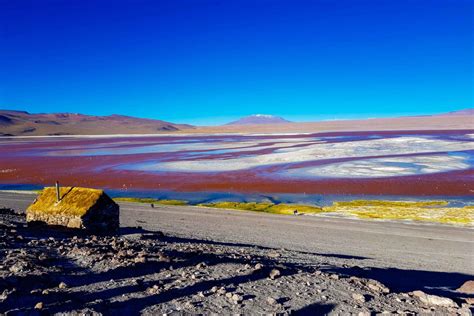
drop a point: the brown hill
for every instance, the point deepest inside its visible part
(20, 123)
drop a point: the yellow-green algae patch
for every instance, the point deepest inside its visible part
(266, 207)
(75, 201)
(391, 203)
(151, 201)
(429, 211)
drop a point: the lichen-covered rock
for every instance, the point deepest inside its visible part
(81, 208)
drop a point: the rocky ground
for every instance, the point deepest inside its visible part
(46, 271)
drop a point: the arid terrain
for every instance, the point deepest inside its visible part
(193, 259)
(155, 265)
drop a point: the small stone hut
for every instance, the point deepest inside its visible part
(82, 208)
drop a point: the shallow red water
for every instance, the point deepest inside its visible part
(44, 161)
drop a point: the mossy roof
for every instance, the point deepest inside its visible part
(74, 201)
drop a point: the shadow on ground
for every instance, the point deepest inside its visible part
(100, 299)
(399, 280)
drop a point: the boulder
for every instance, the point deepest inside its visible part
(433, 300)
(467, 287)
(81, 208)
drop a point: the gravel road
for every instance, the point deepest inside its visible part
(398, 245)
(213, 261)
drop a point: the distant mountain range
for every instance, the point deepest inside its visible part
(461, 112)
(259, 119)
(21, 123)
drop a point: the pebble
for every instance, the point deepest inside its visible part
(153, 290)
(377, 287)
(201, 265)
(139, 260)
(358, 297)
(237, 298)
(39, 305)
(274, 274)
(62, 285)
(17, 267)
(221, 291)
(274, 254)
(4, 295)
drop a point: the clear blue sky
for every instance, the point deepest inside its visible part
(208, 61)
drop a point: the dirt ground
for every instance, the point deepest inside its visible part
(45, 271)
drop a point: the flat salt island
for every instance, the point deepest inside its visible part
(420, 211)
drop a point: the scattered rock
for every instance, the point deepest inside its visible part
(258, 266)
(275, 273)
(201, 265)
(221, 291)
(62, 285)
(274, 254)
(242, 288)
(465, 311)
(377, 287)
(434, 300)
(5, 294)
(358, 297)
(17, 267)
(467, 287)
(139, 260)
(153, 290)
(237, 298)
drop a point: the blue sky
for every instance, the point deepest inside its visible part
(209, 61)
